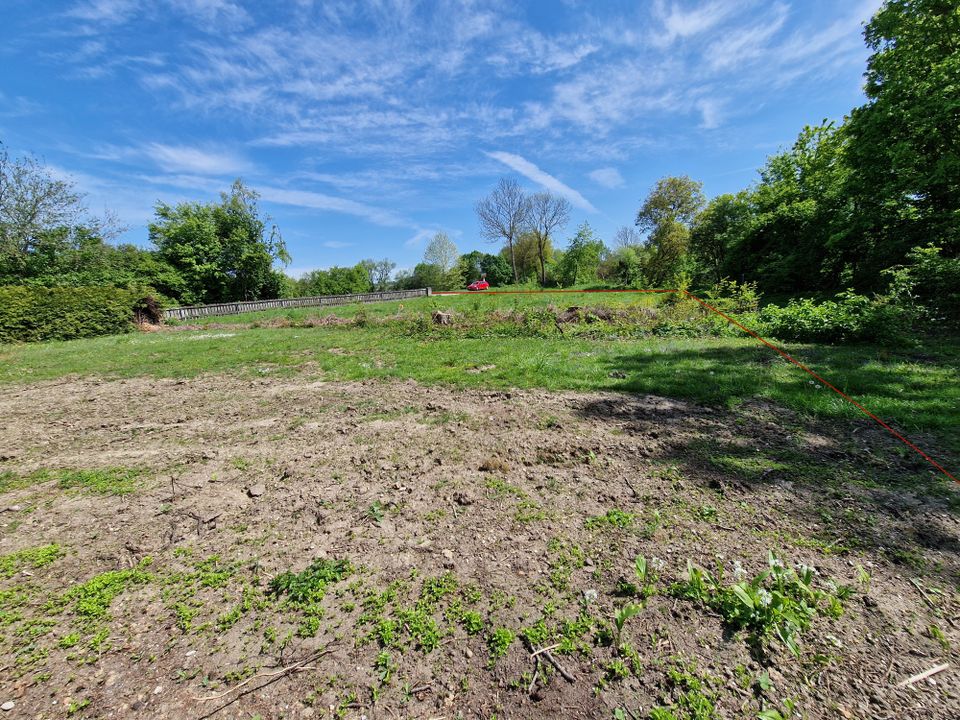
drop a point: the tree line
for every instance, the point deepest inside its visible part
(846, 206)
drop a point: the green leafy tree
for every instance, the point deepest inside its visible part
(526, 255)
(798, 237)
(666, 215)
(336, 281)
(581, 259)
(721, 225)
(223, 250)
(495, 268)
(904, 148)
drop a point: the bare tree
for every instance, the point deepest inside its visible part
(627, 236)
(548, 213)
(503, 215)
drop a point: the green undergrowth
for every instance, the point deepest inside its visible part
(102, 481)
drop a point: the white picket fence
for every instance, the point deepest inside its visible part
(245, 306)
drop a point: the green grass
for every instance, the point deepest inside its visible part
(918, 391)
(458, 303)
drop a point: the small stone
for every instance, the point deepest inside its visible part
(8, 706)
(447, 554)
(191, 653)
(158, 689)
(468, 652)
(256, 490)
(15, 508)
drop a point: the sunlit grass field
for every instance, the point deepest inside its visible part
(917, 389)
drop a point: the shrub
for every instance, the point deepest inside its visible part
(849, 318)
(31, 314)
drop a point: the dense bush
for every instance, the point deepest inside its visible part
(30, 314)
(849, 318)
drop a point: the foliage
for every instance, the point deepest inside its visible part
(720, 226)
(904, 144)
(308, 587)
(581, 259)
(336, 281)
(222, 250)
(31, 314)
(666, 215)
(378, 272)
(111, 481)
(91, 600)
(442, 252)
(778, 602)
(495, 268)
(33, 558)
(849, 318)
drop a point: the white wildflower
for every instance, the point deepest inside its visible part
(764, 597)
(738, 572)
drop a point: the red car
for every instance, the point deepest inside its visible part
(479, 285)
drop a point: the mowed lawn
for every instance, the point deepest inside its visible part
(917, 389)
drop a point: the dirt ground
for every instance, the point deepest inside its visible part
(485, 495)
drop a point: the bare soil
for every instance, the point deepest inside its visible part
(410, 482)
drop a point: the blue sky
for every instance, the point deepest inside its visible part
(367, 127)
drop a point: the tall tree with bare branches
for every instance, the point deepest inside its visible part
(548, 213)
(503, 215)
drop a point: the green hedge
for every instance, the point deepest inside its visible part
(31, 314)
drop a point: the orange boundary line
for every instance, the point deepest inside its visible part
(749, 332)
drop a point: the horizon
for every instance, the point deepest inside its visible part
(368, 130)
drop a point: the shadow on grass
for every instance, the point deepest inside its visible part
(840, 482)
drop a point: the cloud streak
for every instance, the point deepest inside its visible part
(530, 171)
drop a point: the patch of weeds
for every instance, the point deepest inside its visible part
(612, 519)
(778, 602)
(565, 557)
(706, 512)
(472, 622)
(937, 634)
(538, 634)
(549, 422)
(308, 587)
(10, 480)
(91, 600)
(501, 488)
(529, 511)
(572, 633)
(76, 706)
(690, 696)
(647, 574)
(69, 641)
(33, 558)
(499, 642)
(375, 512)
(109, 481)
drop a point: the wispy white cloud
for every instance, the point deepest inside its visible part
(184, 159)
(532, 172)
(336, 244)
(321, 201)
(608, 177)
(419, 237)
(680, 23)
